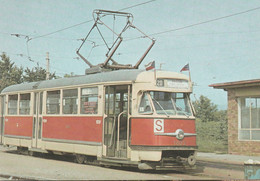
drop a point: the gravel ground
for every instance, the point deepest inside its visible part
(40, 168)
(43, 167)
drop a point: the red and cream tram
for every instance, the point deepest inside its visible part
(125, 117)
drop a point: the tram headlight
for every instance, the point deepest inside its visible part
(179, 134)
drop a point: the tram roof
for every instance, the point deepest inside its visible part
(113, 76)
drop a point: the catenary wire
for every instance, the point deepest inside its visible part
(47, 34)
(197, 24)
(136, 5)
(163, 32)
(84, 22)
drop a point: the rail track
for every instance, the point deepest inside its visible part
(204, 170)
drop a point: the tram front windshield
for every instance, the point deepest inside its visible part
(165, 103)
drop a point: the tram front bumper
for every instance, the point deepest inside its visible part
(178, 163)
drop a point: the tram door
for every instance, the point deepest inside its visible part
(116, 120)
(37, 119)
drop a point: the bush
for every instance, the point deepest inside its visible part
(211, 125)
(212, 136)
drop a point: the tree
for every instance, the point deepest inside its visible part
(211, 126)
(205, 109)
(36, 74)
(9, 73)
(69, 75)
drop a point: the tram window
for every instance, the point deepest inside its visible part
(182, 103)
(53, 102)
(89, 100)
(24, 107)
(121, 102)
(167, 103)
(118, 103)
(145, 105)
(110, 100)
(12, 104)
(70, 101)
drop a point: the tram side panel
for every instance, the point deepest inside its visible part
(149, 140)
(72, 134)
(18, 126)
(146, 132)
(18, 130)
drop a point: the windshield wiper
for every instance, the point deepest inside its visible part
(185, 113)
(160, 107)
(177, 107)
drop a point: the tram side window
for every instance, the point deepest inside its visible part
(70, 101)
(53, 102)
(12, 104)
(145, 105)
(24, 107)
(89, 100)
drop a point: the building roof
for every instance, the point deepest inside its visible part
(236, 84)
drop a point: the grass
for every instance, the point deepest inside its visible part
(212, 137)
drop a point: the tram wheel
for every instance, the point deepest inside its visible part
(80, 159)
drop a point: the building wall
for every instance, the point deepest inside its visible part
(234, 145)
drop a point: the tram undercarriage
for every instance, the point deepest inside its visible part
(171, 159)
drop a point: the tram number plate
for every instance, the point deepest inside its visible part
(179, 143)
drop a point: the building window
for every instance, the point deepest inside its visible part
(53, 102)
(24, 108)
(249, 127)
(89, 100)
(70, 101)
(12, 104)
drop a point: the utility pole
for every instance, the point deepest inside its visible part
(48, 65)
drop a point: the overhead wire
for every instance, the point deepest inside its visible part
(199, 23)
(136, 5)
(181, 47)
(57, 31)
(153, 34)
(32, 60)
(39, 63)
(207, 21)
(63, 29)
(84, 22)
(158, 33)
(195, 24)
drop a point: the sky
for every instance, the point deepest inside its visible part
(220, 39)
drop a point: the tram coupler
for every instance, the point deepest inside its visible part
(191, 160)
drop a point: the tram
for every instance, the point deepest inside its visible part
(124, 117)
(114, 115)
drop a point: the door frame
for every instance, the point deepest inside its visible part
(37, 119)
(116, 132)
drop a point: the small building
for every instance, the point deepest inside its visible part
(243, 116)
